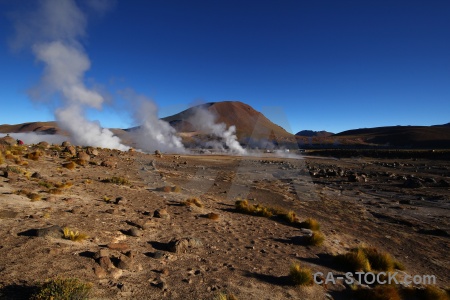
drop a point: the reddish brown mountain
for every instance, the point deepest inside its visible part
(249, 122)
(38, 127)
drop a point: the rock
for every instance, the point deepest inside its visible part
(412, 183)
(182, 245)
(121, 200)
(101, 253)
(92, 151)
(112, 211)
(36, 175)
(161, 213)
(71, 150)
(66, 143)
(134, 232)
(118, 246)
(105, 263)
(158, 254)
(43, 145)
(53, 231)
(116, 273)
(109, 163)
(125, 263)
(100, 272)
(84, 156)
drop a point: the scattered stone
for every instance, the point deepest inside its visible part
(109, 163)
(100, 272)
(105, 263)
(53, 231)
(8, 214)
(36, 175)
(118, 246)
(101, 253)
(125, 263)
(84, 156)
(92, 151)
(182, 245)
(412, 183)
(134, 232)
(116, 273)
(158, 254)
(112, 211)
(161, 213)
(121, 200)
(71, 150)
(66, 144)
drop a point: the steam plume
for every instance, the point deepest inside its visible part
(53, 31)
(205, 121)
(153, 133)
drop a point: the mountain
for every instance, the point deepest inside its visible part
(37, 127)
(400, 136)
(249, 122)
(311, 133)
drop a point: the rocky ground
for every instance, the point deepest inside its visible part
(143, 243)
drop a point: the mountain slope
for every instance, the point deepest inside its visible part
(249, 122)
(37, 127)
(311, 133)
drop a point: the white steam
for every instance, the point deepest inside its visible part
(205, 121)
(58, 25)
(152, 133)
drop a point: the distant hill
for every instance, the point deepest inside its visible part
(400, 136)
(311, 133)
(249, 122)
(37, 127)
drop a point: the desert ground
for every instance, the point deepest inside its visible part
(132, 207)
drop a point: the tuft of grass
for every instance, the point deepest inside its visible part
(300, 276)
(223, 296)
(64, 185)
(432, 292)
(310, 223)
(213, 216)
(55, 191)
(316, 239)
(290, 217)
(192, 202)
(64, 289)
(34, 155)
(81, 162)
(2, 158)
(117, 180)
(34, 197)
(354, 260)
(379, 261)
(87, 181)
(69, 165)
(106, 199)
(74, 235)
(46, 184)
(176, 189)
(14, 169)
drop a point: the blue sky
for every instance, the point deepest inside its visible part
(319, 65)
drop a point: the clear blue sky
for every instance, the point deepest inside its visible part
(320, 65)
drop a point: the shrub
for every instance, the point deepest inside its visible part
(213, 216)
(74, 235)
(117, 180)
(63, 289)
(223, 296)
(310, 223)
(379, 261)
(316, 239)
(432, 292)
(34, 155)
(69, 165)
(300, 276)
(354, 260)
(290, 216)
(192, 202)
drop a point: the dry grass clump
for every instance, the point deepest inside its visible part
(64, 185)
(69, 165)
(213, 216)
(34, 197)
(244, 207)
(354, 260)
(74, 235)
(63, 289)
(366, 259)
(34, 155)
(81, 162)
(2, 158)
(55, 191)
(316, 239)
(176, 189)
(429, 292)
(14, 169)
(300, 276)
(46, 184)
(223, 296)
(310, 223)
(289, 216)
(192, 202)
(117, 180)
